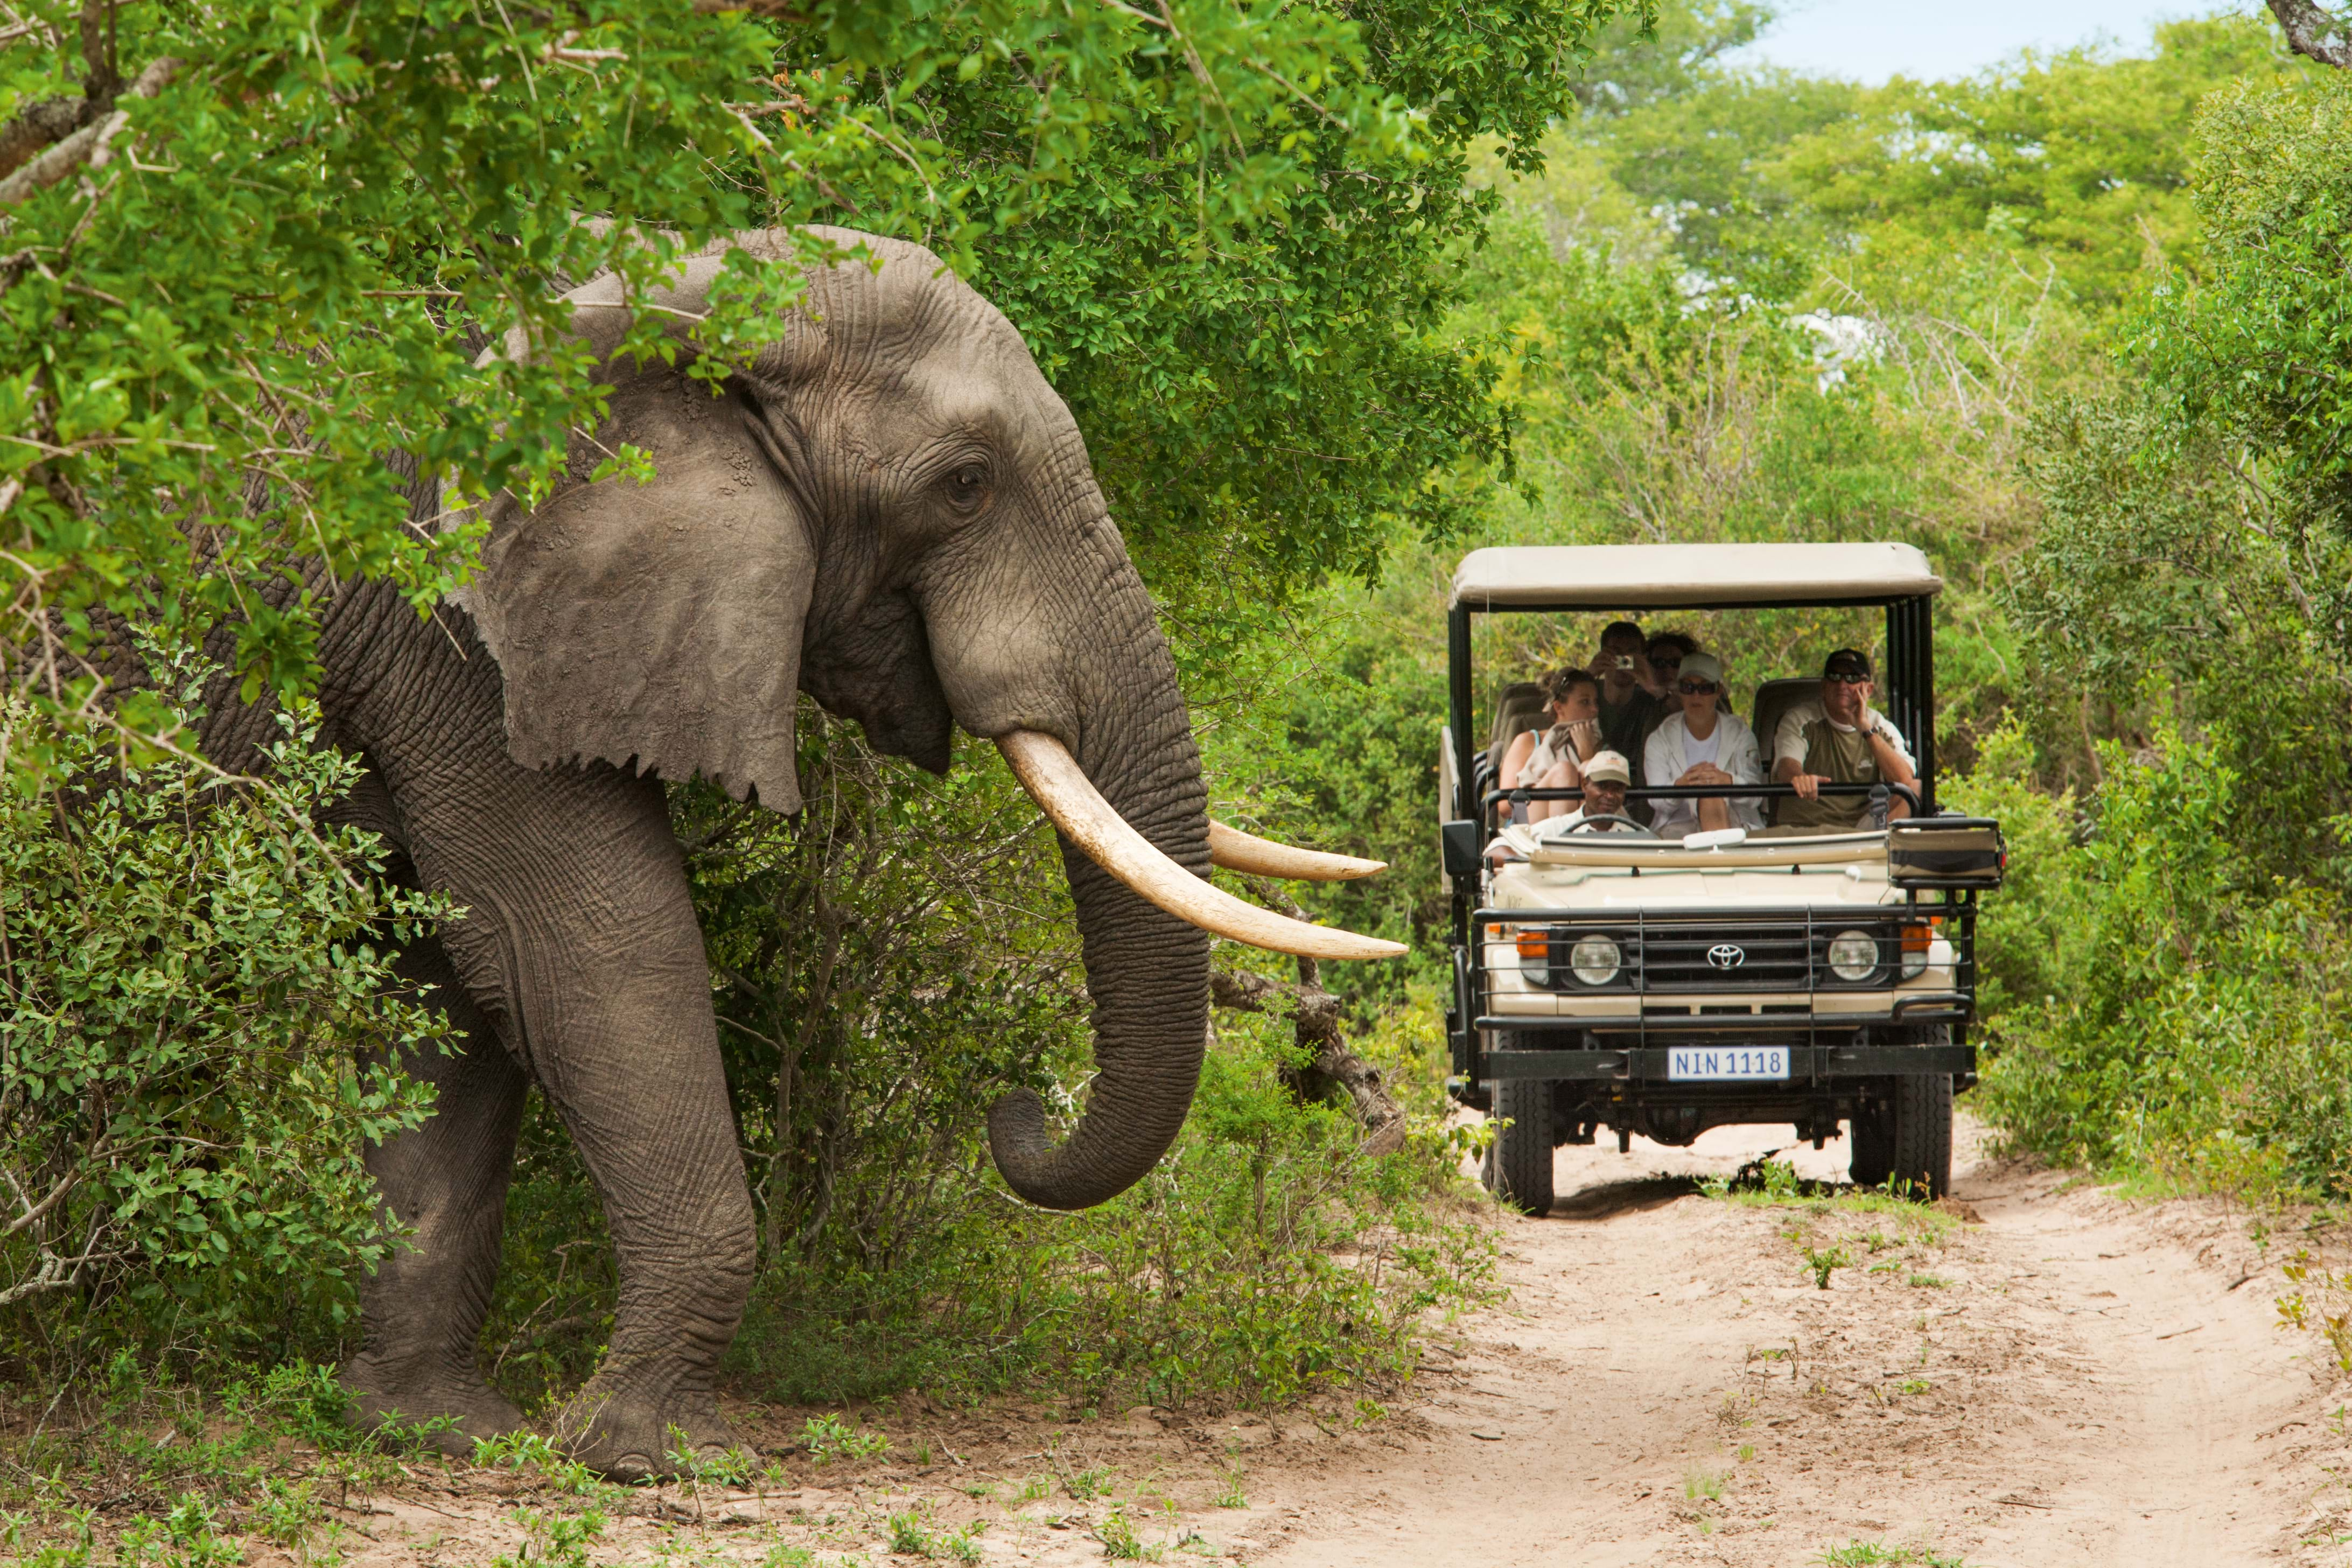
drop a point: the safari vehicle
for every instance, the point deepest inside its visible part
(1665, 986)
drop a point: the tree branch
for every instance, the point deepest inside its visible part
(85, 145)
(2313, 33)
(103, 80)
(1334, 1069)
(37, 125)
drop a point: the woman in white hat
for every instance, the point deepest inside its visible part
(1706, 743)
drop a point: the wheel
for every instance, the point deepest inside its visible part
(1518, 1165)
(1919, 1137)
(1907, 1135)
(1874, 1147)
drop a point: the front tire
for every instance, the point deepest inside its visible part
(1921, 1140)
(1906, 1136)
(1519, 1164)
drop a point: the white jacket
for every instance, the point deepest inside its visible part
(1667, 758)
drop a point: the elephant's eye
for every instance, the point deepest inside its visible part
(968, 484)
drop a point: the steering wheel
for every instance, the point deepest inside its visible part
(1589, 821)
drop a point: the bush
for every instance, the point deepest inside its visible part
(191, 977)
(2191, 1024)
(1265, 1258)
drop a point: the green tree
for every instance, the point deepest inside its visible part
(274, 243)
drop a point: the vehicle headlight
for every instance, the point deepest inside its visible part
(1915, 940)
(1595, 960)
(1854, 955)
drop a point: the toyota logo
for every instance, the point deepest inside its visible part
(1723, 955)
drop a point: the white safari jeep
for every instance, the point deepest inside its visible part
(1665, 986)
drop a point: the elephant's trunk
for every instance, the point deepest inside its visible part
(1147, 970)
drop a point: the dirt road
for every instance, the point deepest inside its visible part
(2071, 1381)
(2041, 1375)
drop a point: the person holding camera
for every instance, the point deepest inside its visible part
(1629, 710)
(1838, 738)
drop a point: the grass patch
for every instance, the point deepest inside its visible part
(1878, 1554)
(186, 1470)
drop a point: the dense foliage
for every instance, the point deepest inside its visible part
(194, 992)
(278, 255)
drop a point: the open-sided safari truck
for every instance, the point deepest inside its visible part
(1665, 986)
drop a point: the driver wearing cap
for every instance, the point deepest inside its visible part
(1838, 738)
(1606, 775)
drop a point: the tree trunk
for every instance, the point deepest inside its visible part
(2313, 33)
(1333, 1071)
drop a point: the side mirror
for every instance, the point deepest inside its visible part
(1458, 842)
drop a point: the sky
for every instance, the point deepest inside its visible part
(1870, 40)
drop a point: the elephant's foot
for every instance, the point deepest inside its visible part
(455, 1409)
(635, 1429)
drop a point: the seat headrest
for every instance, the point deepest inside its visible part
(1774, 699)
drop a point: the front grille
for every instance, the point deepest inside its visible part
(1723, 955)
(1715, 953)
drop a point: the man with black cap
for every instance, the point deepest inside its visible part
(1838, 738)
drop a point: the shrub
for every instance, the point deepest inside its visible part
(2193, 1024)
(1265, 1258)
(191, 980)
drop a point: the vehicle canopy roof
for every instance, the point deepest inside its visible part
(1688, 576)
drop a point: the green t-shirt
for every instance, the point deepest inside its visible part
(1841, 757)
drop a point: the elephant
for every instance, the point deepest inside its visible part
(889, 509)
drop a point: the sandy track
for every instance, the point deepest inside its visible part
(2071, 1381)
(2059, 1378)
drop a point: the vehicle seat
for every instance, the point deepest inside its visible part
(1774, 699)
(1518, 711)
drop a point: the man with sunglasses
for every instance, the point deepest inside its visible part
(1839, 739)
(1703, 743)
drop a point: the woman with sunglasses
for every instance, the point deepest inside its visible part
(1705, 743)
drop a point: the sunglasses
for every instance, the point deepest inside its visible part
(1673, 663)
(1696, 688)
(1847, 679)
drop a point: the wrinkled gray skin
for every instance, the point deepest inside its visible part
(893, 512)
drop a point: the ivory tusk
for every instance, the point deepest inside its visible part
(1062, 790)
(1256, 857)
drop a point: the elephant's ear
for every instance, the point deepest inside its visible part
(658, 625)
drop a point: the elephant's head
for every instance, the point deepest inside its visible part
(891, 511)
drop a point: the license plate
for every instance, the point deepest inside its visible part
(1704, 1064)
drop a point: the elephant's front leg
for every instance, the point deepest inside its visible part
(580, 931)
(638, 1081)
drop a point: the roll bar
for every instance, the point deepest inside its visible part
(1908, 684)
